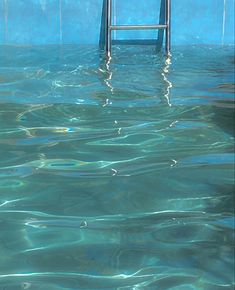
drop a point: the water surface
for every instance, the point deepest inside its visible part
(118, 174)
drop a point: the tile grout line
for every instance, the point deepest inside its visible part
(224, 19)
(6, 19)
(115, 20)
(61, 32)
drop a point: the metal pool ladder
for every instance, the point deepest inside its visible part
(109, 27)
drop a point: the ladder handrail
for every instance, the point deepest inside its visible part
(168, 23)
(108, 30)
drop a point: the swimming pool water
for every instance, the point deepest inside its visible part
(118, 174)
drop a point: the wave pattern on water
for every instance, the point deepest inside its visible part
(116, 174)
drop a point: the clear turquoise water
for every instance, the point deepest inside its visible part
(116, 175)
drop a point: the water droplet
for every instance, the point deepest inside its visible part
(114, 171)
(175, 162)
(83, 224)
(106, 103)
(25, 285)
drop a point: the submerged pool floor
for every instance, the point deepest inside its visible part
(119, 174)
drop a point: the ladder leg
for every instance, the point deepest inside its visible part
(168, 23)
(108, 24)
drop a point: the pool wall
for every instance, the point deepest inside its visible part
(40, 22)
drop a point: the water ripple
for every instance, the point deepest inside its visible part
(116, 174)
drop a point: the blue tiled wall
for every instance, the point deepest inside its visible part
(39, 22)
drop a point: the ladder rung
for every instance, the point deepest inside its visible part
(136, 27)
